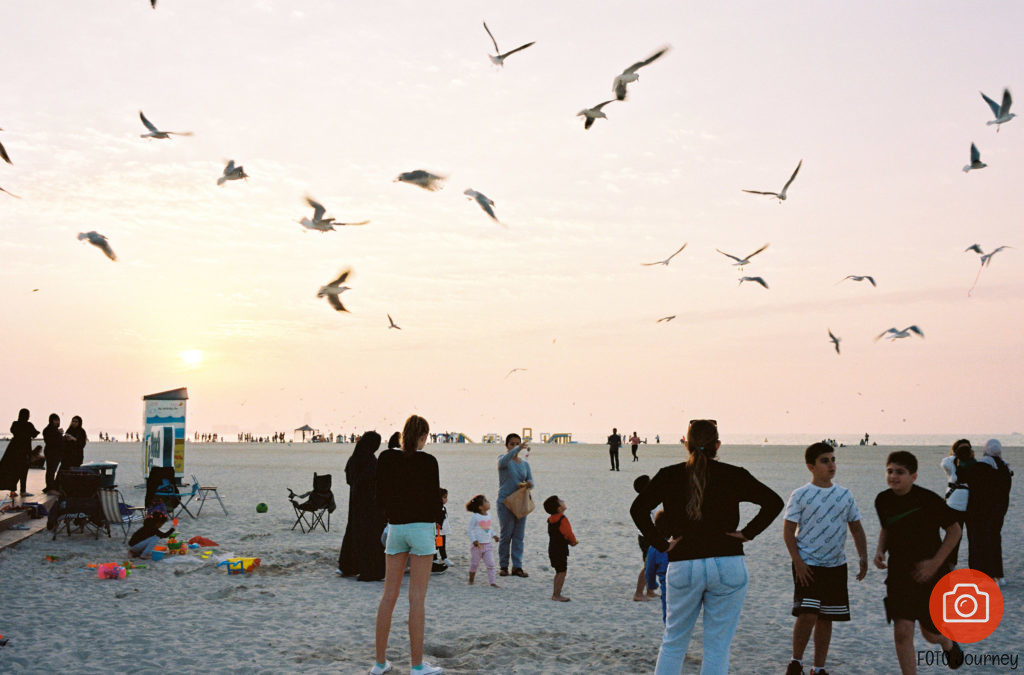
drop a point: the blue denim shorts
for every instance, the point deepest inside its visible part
(414, 538)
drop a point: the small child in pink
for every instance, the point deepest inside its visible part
(482, 540)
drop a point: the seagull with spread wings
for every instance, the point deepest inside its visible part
(834, 340)
(318, 222)
(334, 289)
(1000, 111)
(781, 195)
(484, 202)
(742, 262)
(513, 372)
(976, 162)
(666, 260)
(895, 334)
(99, 241)
(156, 133)
(232, 172)
(392, 324)
(859, 277)
(756, 280)
(591, 114)
(666, 319)
(499, 60)
(630, 74)
(424, 179)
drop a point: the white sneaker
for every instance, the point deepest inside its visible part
(427, 669)
(377, 670)
(447, 562)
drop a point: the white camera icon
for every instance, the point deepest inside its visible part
(966, 603)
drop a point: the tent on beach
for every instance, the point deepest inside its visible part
(305, 429)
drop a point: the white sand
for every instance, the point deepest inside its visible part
(293, 614)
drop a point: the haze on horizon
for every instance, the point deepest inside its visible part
(880, 101)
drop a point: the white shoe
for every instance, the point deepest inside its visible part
(447, 562)
(428, 669)
(377, 670)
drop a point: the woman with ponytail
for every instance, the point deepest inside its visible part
(706, 569)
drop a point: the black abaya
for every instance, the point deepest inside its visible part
(361, 552)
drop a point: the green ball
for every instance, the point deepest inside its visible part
(261, 508)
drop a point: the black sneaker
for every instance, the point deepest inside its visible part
(794, 668)
(954, 657)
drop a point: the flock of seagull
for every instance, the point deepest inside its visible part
(433, 182)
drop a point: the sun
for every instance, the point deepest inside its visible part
(192, 357)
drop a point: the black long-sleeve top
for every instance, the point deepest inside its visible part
(726, 487)
(53, 439)
(408, 487)
(150, 527)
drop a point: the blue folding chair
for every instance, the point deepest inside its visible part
(170, 493)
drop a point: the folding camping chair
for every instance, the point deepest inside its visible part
(204, 491)
(79, 503)
(117, 512)
(310, 513)
(161, 488)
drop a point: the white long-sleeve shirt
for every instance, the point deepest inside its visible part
(479, 528)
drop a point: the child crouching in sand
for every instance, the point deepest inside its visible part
(560, 538)
(482, 545)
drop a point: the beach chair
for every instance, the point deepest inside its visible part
(319, 502)
(117, 512)
(204, 492)
(183, 498)
(161, 488)
(79, 504)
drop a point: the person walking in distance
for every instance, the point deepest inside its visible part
(614, 443)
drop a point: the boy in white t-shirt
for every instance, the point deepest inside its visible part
(815, 534)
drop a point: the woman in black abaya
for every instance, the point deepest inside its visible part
(362, 554)
(14, 465)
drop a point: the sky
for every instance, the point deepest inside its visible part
(880, 101)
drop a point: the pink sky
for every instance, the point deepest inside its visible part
(879, 100)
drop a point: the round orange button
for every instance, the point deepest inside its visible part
(966, 605)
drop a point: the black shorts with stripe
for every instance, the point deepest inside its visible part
(825, 596)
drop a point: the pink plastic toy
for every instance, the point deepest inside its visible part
(111, 571)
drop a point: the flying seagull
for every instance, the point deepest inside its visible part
(859, 277)
(321, 224)
(834, 339)
(781, 196)
(392, 323)
(100, 242)
(591, 114)
(1001, 112)
(630, 74)
(666, 319)
(232, 172)
(513, 372)
(499, 60)
(10, 193)
(334, 289)
(976, 162)
(665, 261)
(485, 203)
(156, 133)
(3, 153)
(894, 334)
(742, 262)
(986, 258)
(758, 280)
(424, 179)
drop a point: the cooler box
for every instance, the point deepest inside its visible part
(106, 470)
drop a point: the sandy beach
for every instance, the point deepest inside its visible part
(294, 615)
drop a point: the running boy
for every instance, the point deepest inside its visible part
(814, 530)
(560, 538)
(911, 517)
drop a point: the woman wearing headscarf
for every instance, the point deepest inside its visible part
(53, 450)
(14, 465)
(706, 568)
(361, 552)
(75, 439)
(990, 481)
(957, 464)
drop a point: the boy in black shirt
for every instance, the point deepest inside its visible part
(911, 517)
